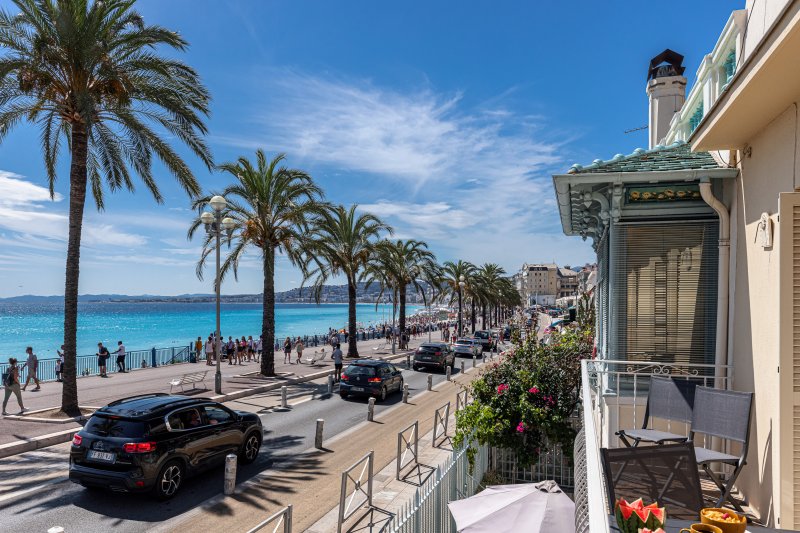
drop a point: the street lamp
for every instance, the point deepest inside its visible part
(461, 284)
(216, 225)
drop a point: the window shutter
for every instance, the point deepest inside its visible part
(664, 291)
(789, 378)
(601, 296)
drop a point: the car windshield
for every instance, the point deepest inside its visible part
(114, 427)
(360, 370)
(464, 342)
(482, 334)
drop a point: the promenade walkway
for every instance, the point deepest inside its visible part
(94, 391)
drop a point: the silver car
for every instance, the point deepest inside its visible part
(467, 348)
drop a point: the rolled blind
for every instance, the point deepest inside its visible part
(601, 296)
(664, 291)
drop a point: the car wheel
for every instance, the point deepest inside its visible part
(343, 395)
(416, 368)
(169, 480)
(250, 448)
(383, 395)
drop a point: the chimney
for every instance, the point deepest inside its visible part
(666, 88)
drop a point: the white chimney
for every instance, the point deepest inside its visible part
(666, 89)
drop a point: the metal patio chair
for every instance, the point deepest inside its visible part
(726, 415)
(668, 399)
(665, 474)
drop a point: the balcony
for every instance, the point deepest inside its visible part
(614, 395)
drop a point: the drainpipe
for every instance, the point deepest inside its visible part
(722, 357)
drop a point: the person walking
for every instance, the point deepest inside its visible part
(60, 364)
(209, 350)
(287, 351)
(242, 351)
(32, 364)
(198, 349)
(299, 348)
(259, 348)
(102, 357)
(230, 350)
(337, 363)
(120, 351)
(11, 385)
(251, 348)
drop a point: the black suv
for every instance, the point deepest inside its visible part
(371, 377)
(152, 442)
(434, 355)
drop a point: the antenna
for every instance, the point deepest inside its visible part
(640, 128)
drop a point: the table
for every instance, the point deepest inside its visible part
(674, 526)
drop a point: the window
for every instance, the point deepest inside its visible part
(217, 415)
(185, 419)
(114, 427)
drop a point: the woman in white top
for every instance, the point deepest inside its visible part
(209, 351)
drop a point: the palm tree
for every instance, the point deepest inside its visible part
(86, 74)
(272, 206)
(342, 242)
(489, 276)
(452, 275)
(398, 264)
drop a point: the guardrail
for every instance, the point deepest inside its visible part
(428, 512)
(407, 445)
(351, 502)
(461, 403)
(441, 418)
(282, 521)
(134, 359)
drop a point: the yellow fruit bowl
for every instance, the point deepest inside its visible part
(725, 519)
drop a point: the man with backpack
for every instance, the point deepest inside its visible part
(102, 357)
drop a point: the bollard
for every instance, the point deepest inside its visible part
(230, 474)
(318, 438)
(371, 409)
(56, 529)
(330, 383)
(405, 393)
(408, 361)
(462, 367)
(284, 399)
(430, 382)
(447, 372)
(474, 359)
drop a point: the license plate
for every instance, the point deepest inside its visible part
(357, 389)
(426, 358)
(105, 457)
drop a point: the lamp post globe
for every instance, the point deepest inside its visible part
(228, 224)
(207, 218)
(218, 203)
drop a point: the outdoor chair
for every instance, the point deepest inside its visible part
(726, 415)
(668, 399)
(666, 474)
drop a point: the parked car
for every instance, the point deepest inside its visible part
(485, 338)
(153, 442)
(434, 355)
(370, 377)
(468, 347)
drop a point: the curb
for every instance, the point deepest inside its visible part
(43, 441)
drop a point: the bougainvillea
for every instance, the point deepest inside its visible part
(525, 402)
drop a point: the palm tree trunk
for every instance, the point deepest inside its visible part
(77, 202)
(483, 316)
(352, 348)
(402, 312)
(472, 318)
(268, 314)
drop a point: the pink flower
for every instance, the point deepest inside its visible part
(533, 390)
(502, 388)
(521, 427)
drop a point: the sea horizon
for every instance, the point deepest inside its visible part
(144, 325)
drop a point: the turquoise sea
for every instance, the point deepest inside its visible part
(146, 325)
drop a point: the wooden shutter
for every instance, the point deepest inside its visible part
(664, 291)
(789, 334)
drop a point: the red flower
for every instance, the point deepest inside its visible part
(533, 390)
(521, 427)
(502, 388)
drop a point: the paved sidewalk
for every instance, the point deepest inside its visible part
(94, 391)
(311, 481)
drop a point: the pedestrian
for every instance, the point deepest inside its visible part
(32, 364)
(287, 351)
(120, 351)
(299, 348)
(60, 364)
(259, 347)
(230, 350)
(11, 385)
(337, 363)
(251, 349)
(198, 349)
(102, 357)
(242, 352)
(209, 350)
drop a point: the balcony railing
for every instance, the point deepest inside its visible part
(614, 396)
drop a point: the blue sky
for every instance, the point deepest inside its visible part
(446, 118)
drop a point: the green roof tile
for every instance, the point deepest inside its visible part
(677, 156)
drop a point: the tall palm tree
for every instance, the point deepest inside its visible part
(451, 275)
(342, 242)
(86, 73)
(398, 264)
(272, 206)
(490, 276)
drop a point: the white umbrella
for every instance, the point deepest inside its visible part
(532, 508)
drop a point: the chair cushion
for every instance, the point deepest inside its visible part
(704, 455)
(652, 435)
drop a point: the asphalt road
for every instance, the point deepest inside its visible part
(59, 502)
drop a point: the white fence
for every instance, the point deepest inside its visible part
(428, 512)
